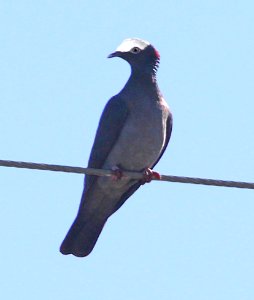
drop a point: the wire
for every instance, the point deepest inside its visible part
(133, 175)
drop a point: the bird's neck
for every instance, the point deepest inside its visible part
(144, 80)
(141, 87)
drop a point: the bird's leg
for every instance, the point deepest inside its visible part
(149, 175)
(117, 173)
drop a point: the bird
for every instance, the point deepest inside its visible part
(132, 135)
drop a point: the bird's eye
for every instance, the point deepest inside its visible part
(135, 50)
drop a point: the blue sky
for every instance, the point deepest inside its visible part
(170, 240)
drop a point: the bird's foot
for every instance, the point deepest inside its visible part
(149, 175)
(117, 173)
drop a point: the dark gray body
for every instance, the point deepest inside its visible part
(133, 133)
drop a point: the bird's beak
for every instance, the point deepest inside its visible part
(114, 54)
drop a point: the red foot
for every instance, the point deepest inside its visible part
(149, 175)
(117, 173)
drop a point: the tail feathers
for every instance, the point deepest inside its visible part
(82, 237)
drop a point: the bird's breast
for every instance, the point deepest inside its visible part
(141, 140)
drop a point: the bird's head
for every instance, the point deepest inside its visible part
(140, 54)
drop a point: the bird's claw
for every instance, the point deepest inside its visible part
(117, 173)
(149, 175)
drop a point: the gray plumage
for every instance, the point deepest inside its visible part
(133, 133)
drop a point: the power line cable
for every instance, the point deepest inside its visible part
(133, 175)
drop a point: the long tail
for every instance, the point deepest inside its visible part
(82, 236)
